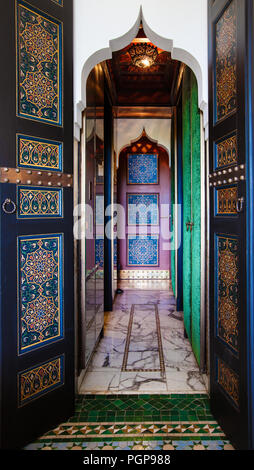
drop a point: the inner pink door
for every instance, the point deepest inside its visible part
(144, 192)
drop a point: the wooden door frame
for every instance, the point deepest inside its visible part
(250, 213)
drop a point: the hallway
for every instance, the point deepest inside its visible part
(143, 389)
(143, 349)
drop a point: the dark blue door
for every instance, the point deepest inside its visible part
(37, 358)
(228, 153)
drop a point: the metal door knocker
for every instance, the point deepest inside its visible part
(239, 204)
(8, 206)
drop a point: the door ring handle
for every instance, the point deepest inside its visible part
(239, 204)
(5, 205)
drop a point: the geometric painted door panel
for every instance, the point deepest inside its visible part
(39, 154)
(39, 65)
(227, 155)
(39, 203)
(40, 308)
(228, 286)
(36, 201)
(37, 381)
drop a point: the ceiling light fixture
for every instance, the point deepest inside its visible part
(143, 55)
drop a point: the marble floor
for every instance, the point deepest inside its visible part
(143, 349)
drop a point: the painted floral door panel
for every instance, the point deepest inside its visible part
(36, 220)
(228, 219)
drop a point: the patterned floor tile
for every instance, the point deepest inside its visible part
(168, 427)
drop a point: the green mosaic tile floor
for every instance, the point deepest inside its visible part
(137, 421)
(142, 407)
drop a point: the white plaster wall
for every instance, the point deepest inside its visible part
(100, 27)
(128, 130)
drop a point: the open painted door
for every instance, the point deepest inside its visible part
(37, 353)
(228, 212)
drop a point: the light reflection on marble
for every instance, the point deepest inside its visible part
(181, 375)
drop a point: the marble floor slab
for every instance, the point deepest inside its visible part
(134, 356)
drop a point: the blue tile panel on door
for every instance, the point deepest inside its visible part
(99, 251)
(35, 203)
(39, 154)
(40, 289)
(99, 209)
(142, 169)
(39, 65)
(143, 250)
(41, 379)
(143, 209)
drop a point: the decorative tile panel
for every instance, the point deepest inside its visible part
(99, 251)
(143, 250)
(99, 209)
(39, 65)
(228, 291)
(226, 41)
(228, 380)
(40, 287)
(39, 203)
(142, 169)
(227, 201)
(39, 380)
(115, 252)
(41, 154)
(226, 152)
(143, 209)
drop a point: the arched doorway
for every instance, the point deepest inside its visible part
(151, 94)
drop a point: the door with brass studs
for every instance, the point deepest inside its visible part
(228, 175)
(37, 359)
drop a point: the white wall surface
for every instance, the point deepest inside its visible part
(128, 130)
(103, 26)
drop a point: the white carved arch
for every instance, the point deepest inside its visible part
(123, 41)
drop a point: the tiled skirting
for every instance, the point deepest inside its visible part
(125, 274)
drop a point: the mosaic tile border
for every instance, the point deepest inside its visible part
(135, 445)
(114, 430)
(181, 421)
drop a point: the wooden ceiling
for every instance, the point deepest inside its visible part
(130, 85)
